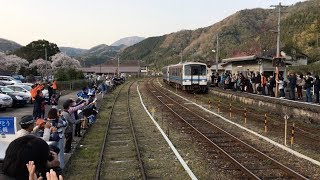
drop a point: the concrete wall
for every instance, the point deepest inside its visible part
(305, 112)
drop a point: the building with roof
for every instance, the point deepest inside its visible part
(133, 67)
(249, 64)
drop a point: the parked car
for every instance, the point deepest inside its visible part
(19, 77)
(5, 101)
(2, 83)
(19, 99)
(27, 84)
(22, 89)
(8, 80)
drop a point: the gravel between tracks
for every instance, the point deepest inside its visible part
(159, 160)
(191, 149)
(302, 166)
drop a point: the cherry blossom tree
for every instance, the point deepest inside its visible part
(43, 67)
(12, 63)
(62, 61)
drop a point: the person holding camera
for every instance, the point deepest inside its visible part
(69, 108)
(28, 127)
(60, 124)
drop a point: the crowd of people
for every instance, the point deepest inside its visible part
(262, 84)
(44, 138)
(40, 101)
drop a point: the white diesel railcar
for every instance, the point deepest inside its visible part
(189, 76)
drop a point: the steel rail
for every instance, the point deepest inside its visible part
(237, 163)
(101, 156)
(141, 164)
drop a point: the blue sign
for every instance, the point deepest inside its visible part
(7, 125)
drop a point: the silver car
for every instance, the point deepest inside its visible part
(5, 101)
(23, 89)
(8, 80)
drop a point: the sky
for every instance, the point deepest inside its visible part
(87, 23)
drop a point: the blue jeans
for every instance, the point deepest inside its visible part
(308, 95)
(61, 153)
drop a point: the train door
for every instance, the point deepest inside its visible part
(195, 74)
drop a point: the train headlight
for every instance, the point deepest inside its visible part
(203, 80)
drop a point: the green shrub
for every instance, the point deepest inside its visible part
(64, 74)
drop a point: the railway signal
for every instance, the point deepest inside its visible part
(286, 117)
(245, 116)
(292, 135)
(265, 123)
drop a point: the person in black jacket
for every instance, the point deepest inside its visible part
(39, 99)
(213, 77)
(50, 92)
(292, 86)
(316, 87)
(271, 85)
(308, 85)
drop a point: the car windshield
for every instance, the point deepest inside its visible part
(6, 90)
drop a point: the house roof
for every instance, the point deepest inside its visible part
(245, 58)
(111, 66)
(123, 63)
(111, 69)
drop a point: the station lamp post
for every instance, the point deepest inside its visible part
(46, 58)
(217, 52)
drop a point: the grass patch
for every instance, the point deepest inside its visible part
(84, 161)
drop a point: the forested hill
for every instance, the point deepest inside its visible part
(243, 33)
(8, 46)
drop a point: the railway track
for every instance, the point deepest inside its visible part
(120, 157)
(305, 136)
(244, 160)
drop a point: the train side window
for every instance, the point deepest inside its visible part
(187, 70)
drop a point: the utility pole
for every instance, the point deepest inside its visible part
(46, 57)
(118, 67)
(278, 46)
(217, 53)
(139, 68)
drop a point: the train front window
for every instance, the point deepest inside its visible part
(198, 70)
(203, 70)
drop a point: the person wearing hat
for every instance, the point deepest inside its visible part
(27, 127)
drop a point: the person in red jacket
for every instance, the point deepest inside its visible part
(263, 83)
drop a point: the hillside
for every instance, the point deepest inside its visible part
(243, 33)
(128, 41)
(100, 54)
(73, 52)
(8, 46)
